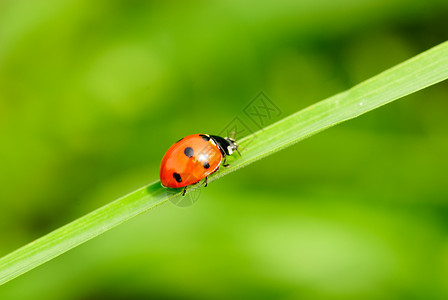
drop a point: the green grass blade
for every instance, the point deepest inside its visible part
(423, 70)
(415, 74)
(80, 230)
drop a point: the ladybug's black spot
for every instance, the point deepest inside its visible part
(179, 140)
(205, 137)
(189, 152)
(206, 165)
(177, 177)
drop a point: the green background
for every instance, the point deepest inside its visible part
(92, 93)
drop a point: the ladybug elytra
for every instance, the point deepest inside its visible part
(194, 158)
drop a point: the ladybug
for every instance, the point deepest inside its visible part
(194, 158)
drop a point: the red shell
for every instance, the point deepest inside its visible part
(190, 165)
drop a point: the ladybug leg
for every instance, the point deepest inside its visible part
(185, 190)
(206, 181)
(225, 164)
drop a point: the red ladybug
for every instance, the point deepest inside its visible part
(193, 158)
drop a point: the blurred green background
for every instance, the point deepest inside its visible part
(92, 93)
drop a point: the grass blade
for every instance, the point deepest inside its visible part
(424, 70)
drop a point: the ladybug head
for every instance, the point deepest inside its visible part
(232, 146)
(227, 145)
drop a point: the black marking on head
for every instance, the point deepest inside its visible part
(189, 152)
(177, 177)
(206, 165)
(179, 140)
(205, 137)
